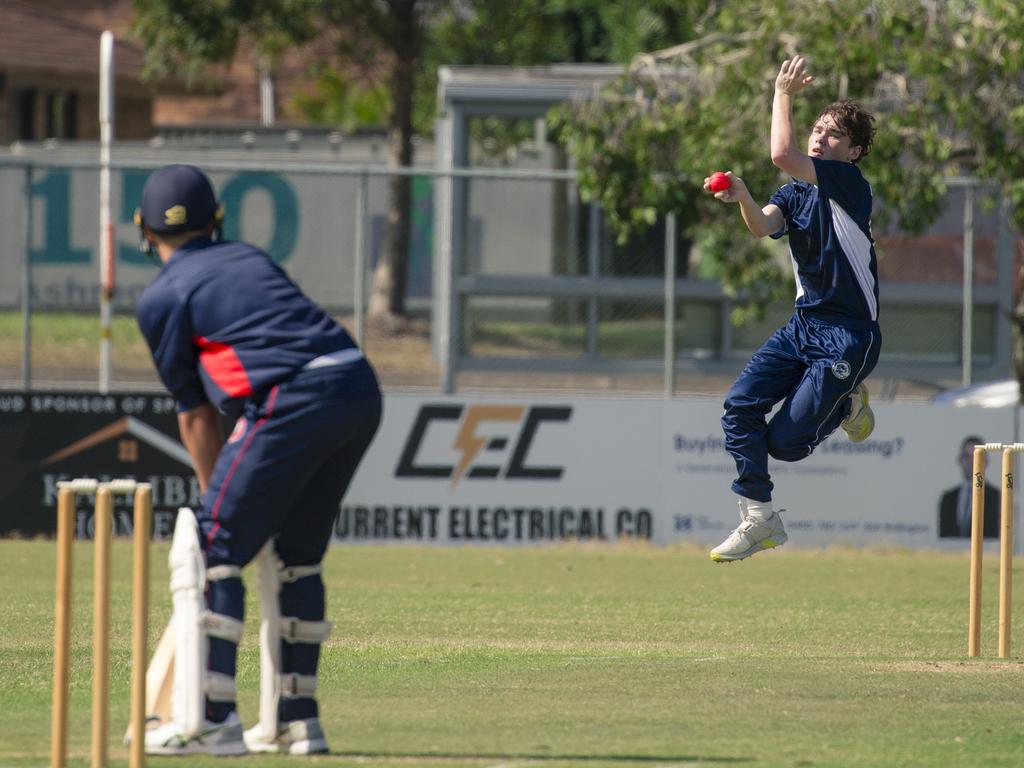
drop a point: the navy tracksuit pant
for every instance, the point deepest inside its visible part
(811, 366)
(282, 475)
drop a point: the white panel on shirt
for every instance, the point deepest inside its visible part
(857, 247)
(796, 276)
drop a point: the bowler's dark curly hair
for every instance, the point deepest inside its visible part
(855, 121)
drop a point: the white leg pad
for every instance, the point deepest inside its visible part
(220, 687)
(296, 572)
(294, 686)
(298, 631)
(223, 627)
(216, 624)
(268, 569)
(188, 582)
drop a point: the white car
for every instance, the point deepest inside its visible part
(991, 394)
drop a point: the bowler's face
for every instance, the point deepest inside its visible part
(829, 142)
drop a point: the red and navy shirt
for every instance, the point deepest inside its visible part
(224, 323)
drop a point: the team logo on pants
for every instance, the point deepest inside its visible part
(841, 369)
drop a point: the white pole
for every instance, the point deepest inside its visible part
(267, 108)
(106, 221)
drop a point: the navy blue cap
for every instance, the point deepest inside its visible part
(177, 198)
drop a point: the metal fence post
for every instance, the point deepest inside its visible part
(359, 258)
(593, 271)
(450, 197)
(1005, 279)
(26, 288)
(670, 305)
(967, 342)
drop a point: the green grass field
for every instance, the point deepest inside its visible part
(579, 656)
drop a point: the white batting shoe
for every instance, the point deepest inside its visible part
(751, 536)
(296, 737)
(861, 421)
(222, 739)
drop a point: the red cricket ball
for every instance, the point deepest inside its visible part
(719, 182)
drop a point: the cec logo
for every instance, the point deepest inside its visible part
(490, 441)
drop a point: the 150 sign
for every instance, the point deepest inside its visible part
(53, 192)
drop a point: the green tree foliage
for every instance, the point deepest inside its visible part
(538, 32)
(942, 76)
(339, 100)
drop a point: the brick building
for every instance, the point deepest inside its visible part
(49, 78)
(49, 74)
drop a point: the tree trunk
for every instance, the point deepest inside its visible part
(387, 296)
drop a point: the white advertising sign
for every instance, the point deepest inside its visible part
(530, 470)
(507, 470)
(886, 490)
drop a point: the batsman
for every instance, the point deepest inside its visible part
(230, 333)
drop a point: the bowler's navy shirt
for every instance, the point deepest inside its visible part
(829, 229)
(224, 323)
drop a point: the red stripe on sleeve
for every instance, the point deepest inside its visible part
(222, 364)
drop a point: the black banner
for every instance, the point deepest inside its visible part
(46, 437)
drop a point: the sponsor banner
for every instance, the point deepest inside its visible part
(888, 490)
(513, 470)
(507, 471)
(46, 437)
(532, 470)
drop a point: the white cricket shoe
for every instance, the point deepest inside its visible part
(296, 737)
(752, 535)
(861, 421)
(222, 739)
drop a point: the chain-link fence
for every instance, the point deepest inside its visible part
(513, 282)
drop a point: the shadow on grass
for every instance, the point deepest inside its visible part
(547, 758)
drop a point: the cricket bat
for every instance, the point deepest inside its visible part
(160, 679)
(159, 682)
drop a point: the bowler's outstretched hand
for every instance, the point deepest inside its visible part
(793, 76)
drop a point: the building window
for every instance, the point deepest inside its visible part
(25, 114)
(61, 115)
